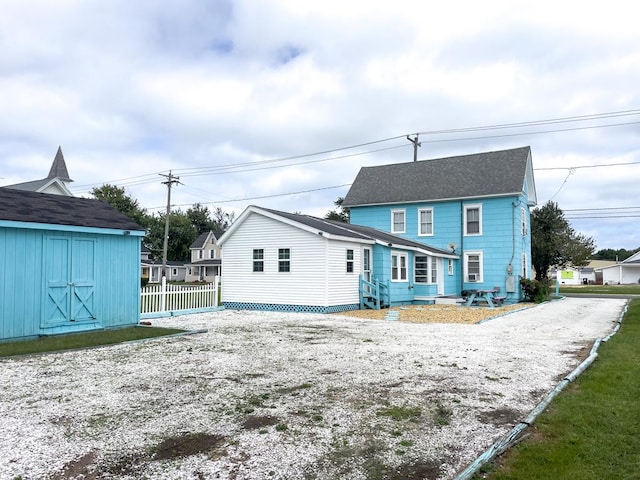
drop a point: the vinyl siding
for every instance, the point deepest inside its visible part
(305, 284)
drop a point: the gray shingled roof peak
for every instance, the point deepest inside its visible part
(59, 167)
(466, 176)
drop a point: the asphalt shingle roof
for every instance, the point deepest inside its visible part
(32, 207)
(467, 176)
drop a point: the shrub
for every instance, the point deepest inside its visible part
(534, 290)
(143, 281)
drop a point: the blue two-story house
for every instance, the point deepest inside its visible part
(474, 206)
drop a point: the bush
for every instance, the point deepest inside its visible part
(534, 290)
(143, 281)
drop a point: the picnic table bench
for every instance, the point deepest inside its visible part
(489, 296)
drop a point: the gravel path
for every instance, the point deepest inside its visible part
(289, 396)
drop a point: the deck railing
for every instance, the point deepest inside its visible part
(374, 294)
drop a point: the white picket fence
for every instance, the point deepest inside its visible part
(163, 298)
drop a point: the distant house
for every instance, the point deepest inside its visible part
(574, 275)
(625, 272)
(56, 182)
(206, 260)
(477, 206)
(151, 270)
(68, 265)
(276, 260)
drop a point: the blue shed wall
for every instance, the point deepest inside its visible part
(501, 243)
(28, 254)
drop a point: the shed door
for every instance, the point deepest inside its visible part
(69, 270)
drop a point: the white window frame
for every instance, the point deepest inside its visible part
(400, 211)
(466, 222)
(366, 264)
(200, 254)
(427, 269)
(450, 266)
(397, 269)
(212, 254)
(284, 260)
(350, 259)
(420, 212)
(257, 259)
(480, 274)
(523, 221)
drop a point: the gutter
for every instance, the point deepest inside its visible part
(515, 435)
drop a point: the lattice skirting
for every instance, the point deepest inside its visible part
(275, 307)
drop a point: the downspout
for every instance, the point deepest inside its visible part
(461, 247)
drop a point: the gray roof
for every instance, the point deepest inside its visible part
(206, 262)
(202, 238)
(467, 176)
(349, 230)
(32, 207)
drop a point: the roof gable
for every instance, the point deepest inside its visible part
(505, 172)
(32, 207)
(59, 167)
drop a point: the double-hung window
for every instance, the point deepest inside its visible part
(212, 253)
(473, 220)
(284, 260)
(523, 221)
(200, 254)
(349, 260)
(425, 221)
(258, 260)
(398, 267)
(473, 266)
(398, 221)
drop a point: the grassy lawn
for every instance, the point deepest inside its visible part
(615, 289)
(592, 430)
(83, 340)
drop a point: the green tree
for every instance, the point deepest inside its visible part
(200, 218)
(340, 214)
(182, 234)
(611, 254)
(123, 202)
(555, 243)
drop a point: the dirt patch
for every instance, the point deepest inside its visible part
(82, 467)
(500, 416)
(186, 445)
(253, 422)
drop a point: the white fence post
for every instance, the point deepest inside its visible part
(163, 297)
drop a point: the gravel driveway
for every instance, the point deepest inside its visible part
(289, 396)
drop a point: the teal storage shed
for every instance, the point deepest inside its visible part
(67, 265)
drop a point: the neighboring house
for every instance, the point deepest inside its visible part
(282, 261)
(206, 259)
(55, 183)
(625, 272)
(152, 269)
(475, 205)
(68, 265)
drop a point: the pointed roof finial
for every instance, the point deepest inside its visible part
(59, 168)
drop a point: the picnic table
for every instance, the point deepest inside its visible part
(489, 296)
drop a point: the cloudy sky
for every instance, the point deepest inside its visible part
(279, 103)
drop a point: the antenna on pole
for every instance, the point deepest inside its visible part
(171, 179)
(416, 144)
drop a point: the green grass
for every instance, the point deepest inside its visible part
(592, 430)
(604, 289)
(83, 340)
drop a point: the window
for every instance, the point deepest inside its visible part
(473, 220)
(349, 261)
(425, 221)
(523, 221)
(473, 266)
(434, 270)
(174, 272)
(212, 253)
(366, 264)
(398, 267)
(258, 260)
(524, 265)
(450, 267)
(421, 269)
(199, 254)
(397, 221)
(284, 260)
(189, 271)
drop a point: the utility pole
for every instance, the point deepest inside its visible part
(416, 144)
(171, 179)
